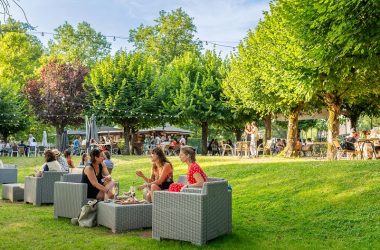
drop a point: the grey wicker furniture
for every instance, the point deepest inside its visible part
(13, 192)
(38, 190)
(120, 218)
(195, 215)
(69, 197)
(75, 178)
(8, 174)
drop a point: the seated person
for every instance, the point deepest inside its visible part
(195, 175)
(97, 187)
(161, 176)
(279, 146)
(84, 161)
(93, 144)
(51, 164)
(308, 145)
(107, 161)
(69, 161)
(21, 144)
(61, 160)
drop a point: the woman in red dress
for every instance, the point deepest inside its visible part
(195, 175)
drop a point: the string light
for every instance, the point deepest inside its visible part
(114, 37)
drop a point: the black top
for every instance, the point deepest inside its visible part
(92, 191)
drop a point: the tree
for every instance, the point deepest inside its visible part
(120, 89)
(343, 54)
(19, 53)
(267, 74)
(171, 36)
(14, 111)
(57, 97)
(82, 44)
(192, 84)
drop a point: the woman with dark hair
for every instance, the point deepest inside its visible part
(51, 164)
(97, 187)
(161, 175)
(195, 175)
(85, 160)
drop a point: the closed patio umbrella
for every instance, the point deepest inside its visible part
(91, 130)
(44, 139)
(64, 141)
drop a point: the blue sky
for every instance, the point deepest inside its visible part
(223, 21)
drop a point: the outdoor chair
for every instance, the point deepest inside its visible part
(74, 178)
(242, 148)
(41, 150)
(226, 148)
(69, 197)
(32, 151)
(14, 151)
(8, 174)
(340, 152)
(195, 215)
(21, 151)
(38, 190)
(265, 149)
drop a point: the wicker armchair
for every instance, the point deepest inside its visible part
(69, 197)
(38, 190)
(75, 178)
(8, 174)
(196, 215)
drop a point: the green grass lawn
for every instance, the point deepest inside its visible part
(277, 204)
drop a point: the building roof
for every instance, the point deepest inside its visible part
(168, 129)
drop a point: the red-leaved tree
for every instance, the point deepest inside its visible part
(57, 97)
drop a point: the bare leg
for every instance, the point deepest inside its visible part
(154, 187)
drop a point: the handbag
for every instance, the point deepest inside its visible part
(87, 217)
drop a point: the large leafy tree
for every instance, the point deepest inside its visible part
(13, 112)
(192, 84)
(19, 53)
(120, 90)
(342, 49)
(57, 97)
(268, 75)
(82, 44)
(171, 36)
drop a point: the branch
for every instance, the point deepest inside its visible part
(6, 6)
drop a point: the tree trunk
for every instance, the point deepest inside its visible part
(292, 136)
(268, 128)
(5, 136)
(127, 133)
(354, 118)
(334, 106)
(59, 132)
(238, 134)
(204, 137)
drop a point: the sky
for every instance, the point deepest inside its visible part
(224, 22)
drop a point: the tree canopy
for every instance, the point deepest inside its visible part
(171, 36)
(57, 97)
(83, 44)
(120, 89)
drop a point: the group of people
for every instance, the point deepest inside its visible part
(97, 168)
(170, 146)
(100, 183)
(9, 148)
(252, 135)
(161, 177)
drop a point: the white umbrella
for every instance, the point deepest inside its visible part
(44, 139)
